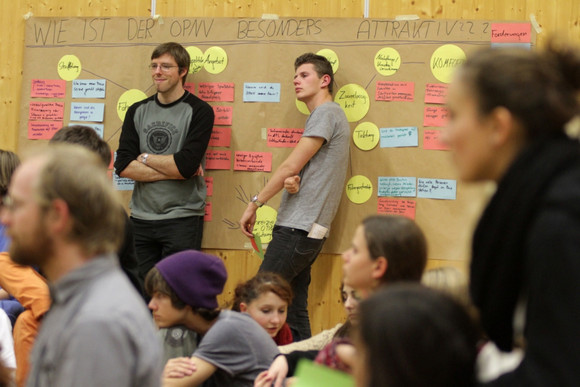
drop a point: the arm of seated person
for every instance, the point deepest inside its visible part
(187, 372)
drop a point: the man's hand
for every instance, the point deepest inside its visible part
(199, 171)
(292, 184)
(179, 367)
(248, 220)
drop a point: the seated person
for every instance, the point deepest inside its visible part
(234, 348)
(6, 344)
(266, 297)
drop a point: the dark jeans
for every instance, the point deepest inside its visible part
(291, 254)
(156, 239)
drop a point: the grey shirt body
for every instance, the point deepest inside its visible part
(98, 332)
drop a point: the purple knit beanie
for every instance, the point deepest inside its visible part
(197, 278)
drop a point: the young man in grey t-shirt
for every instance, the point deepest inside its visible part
(313, 176)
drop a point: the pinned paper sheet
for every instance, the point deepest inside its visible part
(261, 92)
(89, 88)
(435, 116)
(218, 159)
(215, 60)
(209, 185)
(395, 91)
(223, 115)
(220, 136)
(309, 374)
(46, 111)
(399, 137)
(354, 100)
(196, 59)
(359, 189)
(216, 91)
(511, 32)
(48, 88)
(432, 140)
(302, 108)
(94, 112)
(436, 93)
(207, 216)
(387, 61)
(253, 161)
(445, 60)
(366, 136)
(284, 137)
(401, 207)
(265, 220)
(69, 67)
(127, 99)
(331, 57)
(397, 186)
(43, 130)
(190, 86)
(437, 189)
(123, 183)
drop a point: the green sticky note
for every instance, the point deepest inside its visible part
(309, 374)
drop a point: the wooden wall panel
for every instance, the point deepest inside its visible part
(561, 17)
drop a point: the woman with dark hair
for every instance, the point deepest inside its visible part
(508, 112)
(410, 335)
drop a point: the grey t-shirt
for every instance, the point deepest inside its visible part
(239, 347)
(322, 178)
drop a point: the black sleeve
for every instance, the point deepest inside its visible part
(129, 147)
(293, 357)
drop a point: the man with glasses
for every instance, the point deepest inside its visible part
(162, 148)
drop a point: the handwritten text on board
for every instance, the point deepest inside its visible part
(401, 207)
(253, 161)
(437, 189)
(48, 88)
(397, 186)
(284, 137)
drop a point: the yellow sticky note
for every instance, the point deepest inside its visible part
(366, 136)
(265, 220)
(359, 189)
(445, 60)
(387, 61)
(216, 60)
(69, 67)
(127, 99)
(332, 58)
(354, 100)
(196, 59)
(302, 108)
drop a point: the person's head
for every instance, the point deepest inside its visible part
(449, 280)
(384, 249)
(171, 62)
(350, 299)
(86, 137)
(184, 283)
(313, 73)
(9, 161)
(410, 335)
(266, 298)
(59, 198)
(502, 99)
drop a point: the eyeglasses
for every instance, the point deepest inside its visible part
(164, 67)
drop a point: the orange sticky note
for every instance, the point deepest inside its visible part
(223, 115)
(220, 136)
(401, 207)
(43, 130)
(216, 91)
(435, 93)
(432, 141)
(189, 86)
(435, 116)
(46, 111)
(218, 159)
(511, 32)
(208, 213)
(395, 91)
(209, 185)
(48, 88)
(253, 161)
(284, 137)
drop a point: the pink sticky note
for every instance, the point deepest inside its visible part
(48, 88)
(432, 140)
(209, 185)
(189, 86)
(402, 207)
(218, 159)
(435, 116)
(223, 115)
(284, 137)
(395, 91)
(253, 161)
(435, 93)
(511, 32)
(216, 91)
(46, 111)
(208, 212)
(43, 130)
(220, 136)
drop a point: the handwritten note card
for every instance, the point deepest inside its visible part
(253, 161)
(511, 32)
(397, 186)
(209, 185)
(208, 212)
(189, 86)
(437, 189)
(218, 159)
(220, 136)
(123, 183)
(261, 92)
(435, 116)
(48, 88)
(99, 128)
(89, 88)
(216, 91)
(223, 115)
(432, 140)
(284, 137)
(43, 130)
(397, 207)
(436, 93)
(46, 111)
(399, 137)
(395, 91)
(87, 111)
